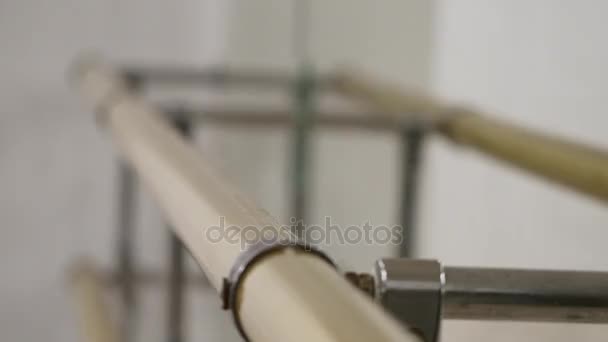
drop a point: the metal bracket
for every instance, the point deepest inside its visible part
(249, 257)
(411, 291)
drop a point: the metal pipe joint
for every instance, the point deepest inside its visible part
(422, 292)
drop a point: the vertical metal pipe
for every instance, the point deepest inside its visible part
(125, 246)
(301, 32)
(303, 103)
(175, 321)
(175, 318)
(125, 250)
(303, 95)
(411, 151)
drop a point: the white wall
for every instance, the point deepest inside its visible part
(56, 170)
(541, 64)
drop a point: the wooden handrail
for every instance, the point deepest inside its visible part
(578, 167)
(285, 296)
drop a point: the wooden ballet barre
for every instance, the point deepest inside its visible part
(88, 285)
(281, 118)
(287, 294)
(578, 167)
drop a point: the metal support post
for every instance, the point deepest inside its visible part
(411, 153)
(177, 277)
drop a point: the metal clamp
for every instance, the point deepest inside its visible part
(411, 290)
(421, 292)
(246, 259)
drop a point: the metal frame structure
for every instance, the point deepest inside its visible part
(261, 280)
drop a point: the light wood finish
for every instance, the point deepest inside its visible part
(287, 295)
(395, 104)
(95, 320)
(579, 167)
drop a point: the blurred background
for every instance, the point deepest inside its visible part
(539, 63)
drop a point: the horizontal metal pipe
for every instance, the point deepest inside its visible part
(152, 278)
(574, 165)
(282, 118)
(525, 295)
(218, 76)
(409, 288)
(287, 295)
